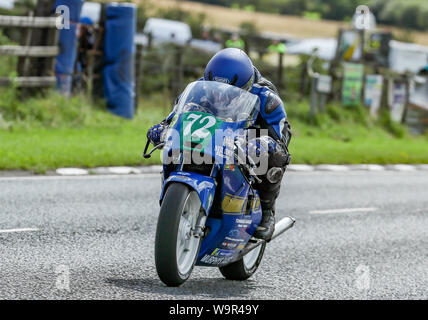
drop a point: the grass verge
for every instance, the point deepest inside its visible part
(51, 132)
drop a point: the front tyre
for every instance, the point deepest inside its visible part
(176, 246)
(246, 266)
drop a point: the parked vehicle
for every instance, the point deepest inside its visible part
(164, 30)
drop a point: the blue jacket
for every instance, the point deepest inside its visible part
(272, 111)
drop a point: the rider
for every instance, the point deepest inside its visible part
(234, 67)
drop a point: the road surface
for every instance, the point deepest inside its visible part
(359, 235)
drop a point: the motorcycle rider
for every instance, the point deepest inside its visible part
(234, 67)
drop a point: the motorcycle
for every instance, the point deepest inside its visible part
(209, 208)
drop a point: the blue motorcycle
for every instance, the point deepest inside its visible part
(209, 208)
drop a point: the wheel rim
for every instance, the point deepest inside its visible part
(187, 244)
(250, 258)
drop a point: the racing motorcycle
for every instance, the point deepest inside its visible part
(209, 207)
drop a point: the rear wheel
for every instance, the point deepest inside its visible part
(177, 245)
(246, 266)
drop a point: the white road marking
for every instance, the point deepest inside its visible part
(123, 170)
(401, 167)
(346, 210)
(367, 167)
(71, 171)
(331, 167)
(300, 167)
(19, 230)
(90, 177)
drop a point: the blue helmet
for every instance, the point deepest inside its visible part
(231, 66)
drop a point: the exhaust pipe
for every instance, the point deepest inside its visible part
(282, 226)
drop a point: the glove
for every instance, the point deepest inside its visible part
(155, 133)
(261, 145)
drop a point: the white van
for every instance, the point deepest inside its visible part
(163, 30)
(7, 4)
(91, 10)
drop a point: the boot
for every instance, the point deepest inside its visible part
(267, 226)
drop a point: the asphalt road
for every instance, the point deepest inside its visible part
(93, 238)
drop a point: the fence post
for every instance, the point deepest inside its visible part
(23, 62)
(314, 78)
(43, 37)
(280, 70)
(96, 81)
(138, 72)
(314, 96)
(303, 85)
(407, 97)
(177, 82)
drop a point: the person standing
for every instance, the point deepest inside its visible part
(235, 42)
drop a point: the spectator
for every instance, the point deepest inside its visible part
(235, 42)
(277, 46)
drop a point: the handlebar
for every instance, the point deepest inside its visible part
(148, 155)
(250, 168)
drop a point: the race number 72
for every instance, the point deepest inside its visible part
(202, 126)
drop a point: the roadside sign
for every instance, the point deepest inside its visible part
(350, 45)
(396, 98)
(373, 92)
(324, 84)
(352, 83)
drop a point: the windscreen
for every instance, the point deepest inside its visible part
(225, 102)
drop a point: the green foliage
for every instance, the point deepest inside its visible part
(49, 111)
(312, 15)
(408, 14)
(249, 8)
(7, 63)
(248, 28)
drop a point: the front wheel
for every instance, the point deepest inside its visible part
(246, 266)
(177, 244)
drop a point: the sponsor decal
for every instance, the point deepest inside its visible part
(233, 204)
(234, 239)
(229, 245)
(230, 167)
(222, 253)
(222, 80)
(213, 259)
(244, 221)
(235, 234)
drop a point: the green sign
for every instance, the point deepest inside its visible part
(197, 130)
(352, 84)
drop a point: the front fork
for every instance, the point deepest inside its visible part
(199, 230)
